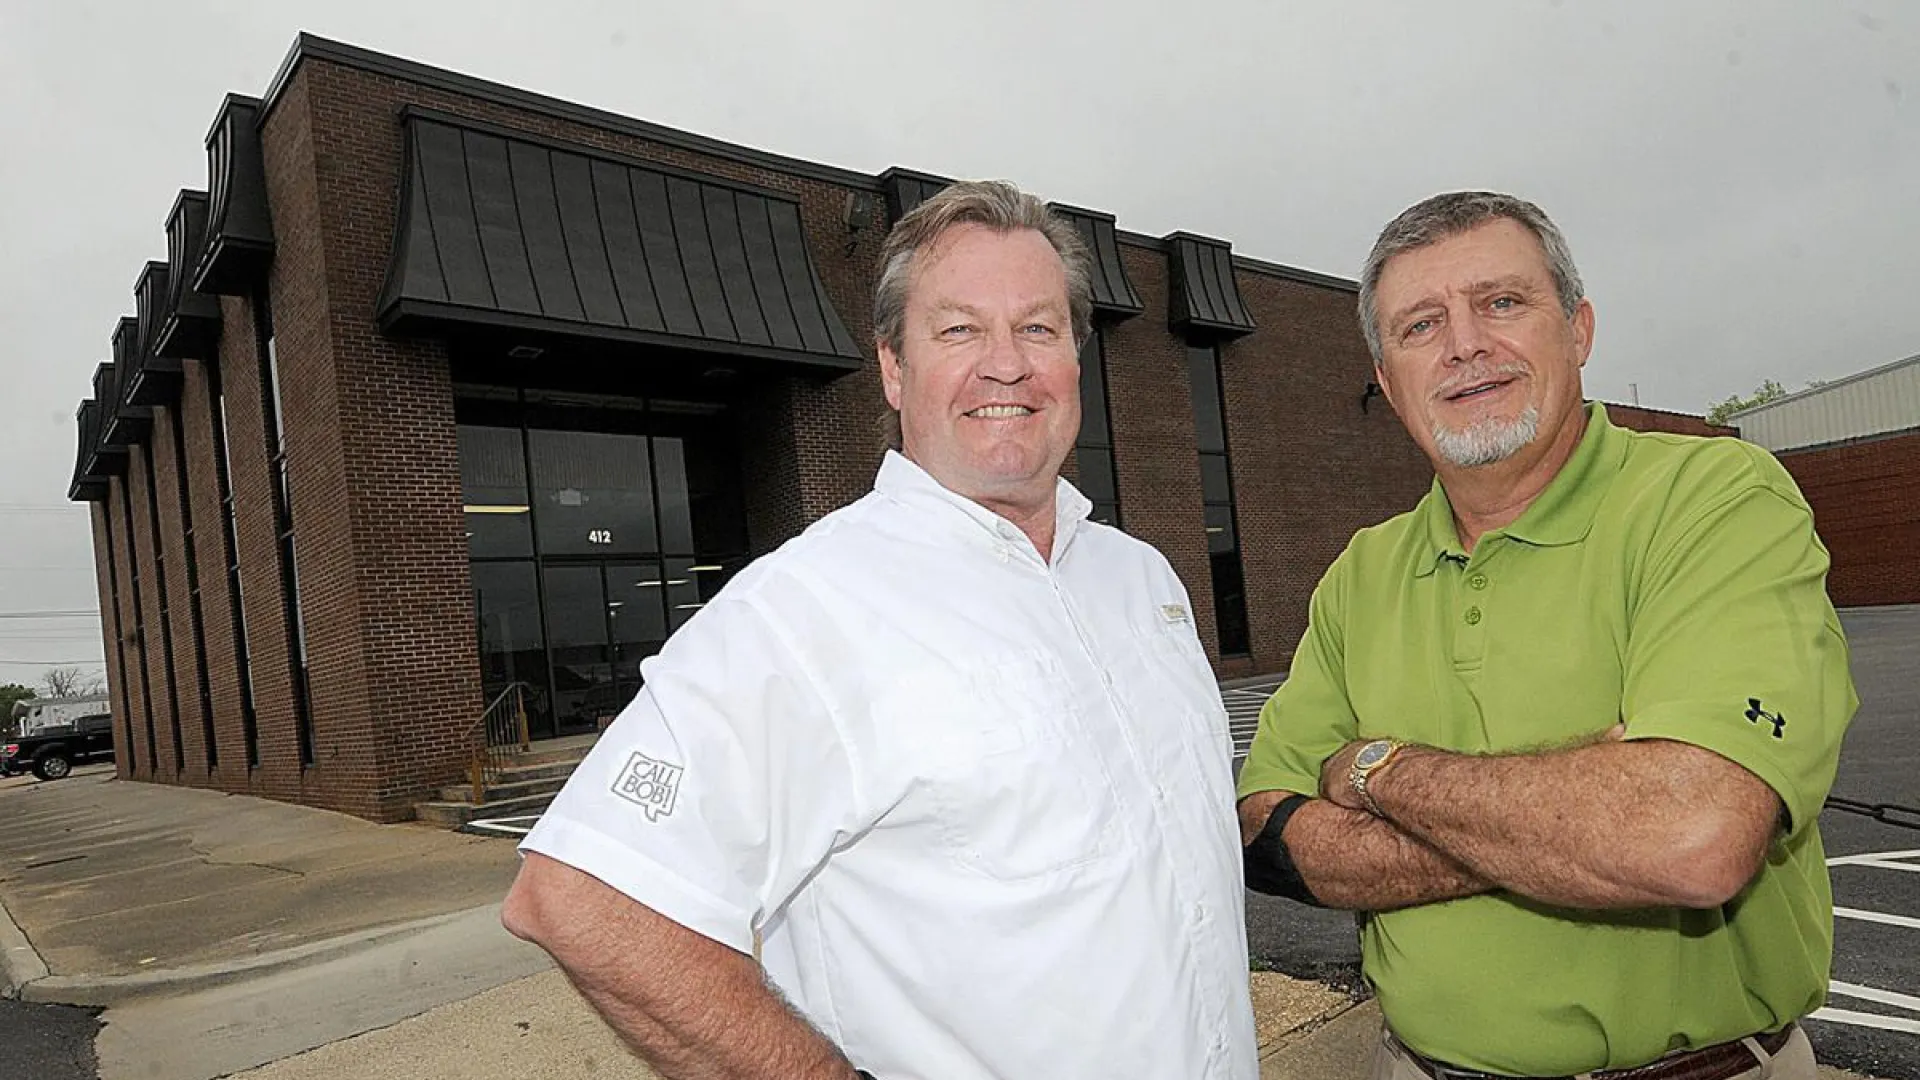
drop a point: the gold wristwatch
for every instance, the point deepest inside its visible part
(1368, 761)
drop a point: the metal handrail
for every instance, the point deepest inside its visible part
(494, 739)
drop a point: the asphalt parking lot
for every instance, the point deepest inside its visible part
(1871, 1023)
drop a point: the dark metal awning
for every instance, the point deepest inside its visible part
(1203, 296)
(905, 189)
(190, 326)
(151, 379)
(90, 480)
(502, 229)
(121, 425)
(1112, 290)
(237, 248)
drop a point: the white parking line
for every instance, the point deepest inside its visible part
(1871, 857)
(1868, 993)
(1907, 921)
(1872, 1020)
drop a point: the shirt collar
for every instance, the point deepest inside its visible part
(1562, 514)
(905, 482)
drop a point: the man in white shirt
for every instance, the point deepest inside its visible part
(951, 764)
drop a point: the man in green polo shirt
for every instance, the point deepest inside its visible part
(1563, 731)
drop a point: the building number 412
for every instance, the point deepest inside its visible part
(599, 536)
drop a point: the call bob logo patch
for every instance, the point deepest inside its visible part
(650, 784)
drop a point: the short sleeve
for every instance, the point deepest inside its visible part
(718, 790)
(1310, 717)
(1736, 648)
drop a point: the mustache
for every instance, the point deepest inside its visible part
(1478, 375)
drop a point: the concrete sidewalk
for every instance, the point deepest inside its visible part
(116, 890)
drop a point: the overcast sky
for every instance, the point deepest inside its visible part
(1740, 180)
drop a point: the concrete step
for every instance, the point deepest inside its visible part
(453, 814)
(506, 789)
(562, 769)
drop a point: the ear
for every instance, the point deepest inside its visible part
(1583, 330)
(1385, 380)
(889, 374)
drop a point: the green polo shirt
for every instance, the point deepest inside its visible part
(1671, 582)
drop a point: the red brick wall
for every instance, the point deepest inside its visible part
(197, 418)
(264, 613)
(1866, 506)
(1678, 423)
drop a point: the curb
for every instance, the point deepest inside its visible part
(28, 979)
(20, 964)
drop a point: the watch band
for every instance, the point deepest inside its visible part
(1380, 751)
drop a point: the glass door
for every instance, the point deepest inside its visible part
(513, 647)
(578, 644)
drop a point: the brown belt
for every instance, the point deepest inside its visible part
(1717, 1062)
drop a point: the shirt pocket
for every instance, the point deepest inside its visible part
(998, 767)
(1177, 696)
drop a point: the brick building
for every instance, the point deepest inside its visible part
(446, 386)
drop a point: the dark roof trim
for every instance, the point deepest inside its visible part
(1113, 292)
(310, 47)
(503, 230)
(905, 189)
(153, 379)
(238, 248)
(1202, 294)
(190, 326)
(1251, 264)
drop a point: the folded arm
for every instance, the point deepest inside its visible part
(1606, 825)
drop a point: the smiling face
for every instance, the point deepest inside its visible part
(1477, 355)
(987, 379)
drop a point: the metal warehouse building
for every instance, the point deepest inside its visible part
(1853, 446)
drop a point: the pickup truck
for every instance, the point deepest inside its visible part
(52, 752)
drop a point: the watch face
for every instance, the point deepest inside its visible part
(1372, 754)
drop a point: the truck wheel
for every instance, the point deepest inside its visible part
(52, 765)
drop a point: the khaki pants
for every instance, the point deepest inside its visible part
(1793, 1062)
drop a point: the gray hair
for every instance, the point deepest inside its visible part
(1442, 216)
(996, 205)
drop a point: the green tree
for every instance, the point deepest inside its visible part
(1768, 391)
(10, 693)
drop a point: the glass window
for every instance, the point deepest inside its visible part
(1230, 603)
(1203, 374)
(637, 602)
(592, 493)
(1216, 485)
(676, 509)
(1221, 537)
(1094, 427)
(1096, 475)
(493, 491)
(714, 494)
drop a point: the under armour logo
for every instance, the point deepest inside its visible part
(1755, 714)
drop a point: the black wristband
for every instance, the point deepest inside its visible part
(1267, 862)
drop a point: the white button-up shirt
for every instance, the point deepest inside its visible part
(976, 807)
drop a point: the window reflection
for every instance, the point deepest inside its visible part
(593, 493)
